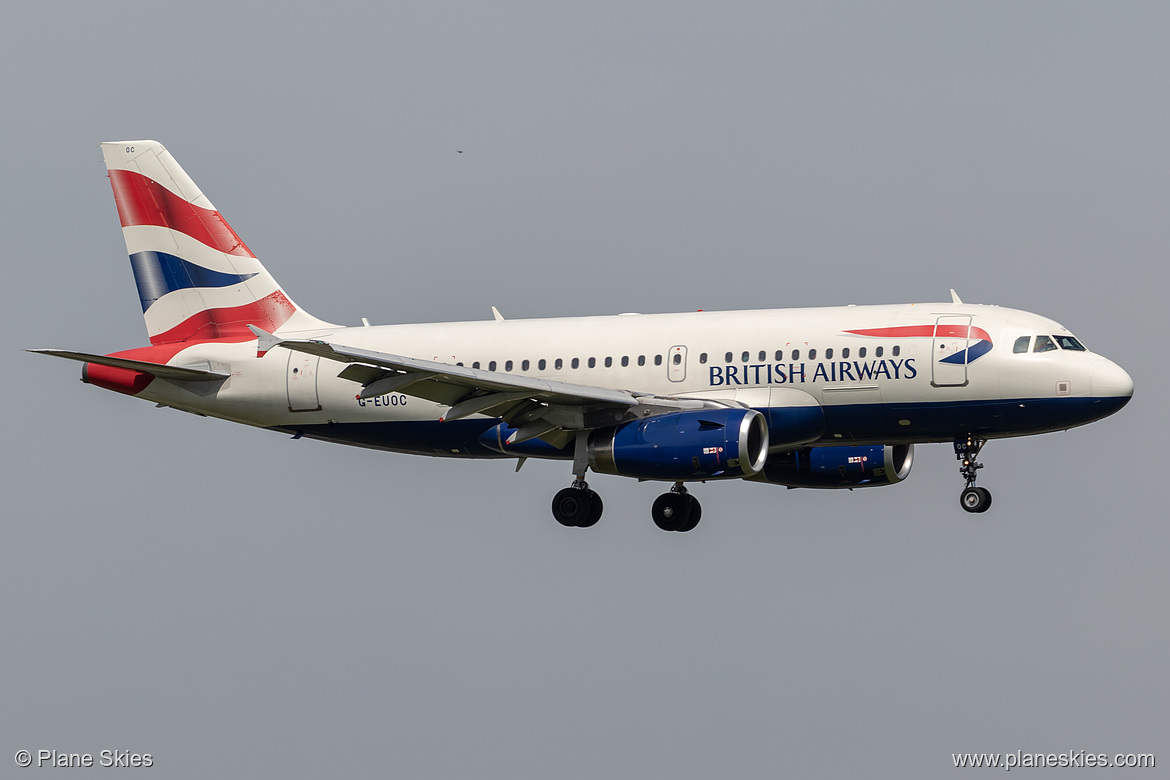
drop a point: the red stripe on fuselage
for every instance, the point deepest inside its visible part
(925, 331)
(268, 313)
(142, 201)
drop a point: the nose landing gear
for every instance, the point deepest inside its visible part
(972, 499)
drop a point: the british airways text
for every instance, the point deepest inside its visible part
(800, 373)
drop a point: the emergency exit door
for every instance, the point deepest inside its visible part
(676, 363)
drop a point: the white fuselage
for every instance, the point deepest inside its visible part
(873, 388)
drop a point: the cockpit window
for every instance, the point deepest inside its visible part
(1044, 344)
(1021, 345)
(1068, 342)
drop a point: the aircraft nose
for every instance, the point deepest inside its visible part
(1110, 380)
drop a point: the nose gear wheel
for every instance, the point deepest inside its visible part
(973, 499)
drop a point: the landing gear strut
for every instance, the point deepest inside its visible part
(578, 506)
(972, 499)
(677, 510)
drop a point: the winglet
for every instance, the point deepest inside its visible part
(265, 340)
(496, 313)
(955, 296)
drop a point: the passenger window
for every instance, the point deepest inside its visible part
(861, 352)
(677, 358)
(658, 360)
(540, 366)
(727, 358)
(641, 360)
(845, 352)
(878, 351)
(593, 362)
(763, 356)
(475, 364)
(576, 363)
(508, 365)
(812, 354)
(702, 357)
(829, 353)
(1021, 345)
(796, 354)
(609, 362)
(524, 365)
(558, 364)
(779, 355)
(492, 366)
(1043, 344)
(746, 357)
(625, 360)
(459, 363)
(1068, 342)
(897, 350)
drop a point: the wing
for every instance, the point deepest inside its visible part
(536, 408)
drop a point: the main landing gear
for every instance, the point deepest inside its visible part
(578, 506)
(677, 510)
(972, 499)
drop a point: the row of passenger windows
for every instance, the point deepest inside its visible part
(1047, 344)
(746, 357)
(676, 359)
(559, 364)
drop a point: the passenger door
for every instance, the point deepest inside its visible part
(952, 337)
(302, 382)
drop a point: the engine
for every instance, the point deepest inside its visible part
(704, 444)
(838, 467)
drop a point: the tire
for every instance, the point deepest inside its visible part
(572, 506)
(694, 514)
(596, 506)
(671, 511)
(975, 499)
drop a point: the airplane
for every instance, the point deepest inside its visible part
(832, 398)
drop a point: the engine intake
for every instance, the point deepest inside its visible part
(839, 467)
(704, 444)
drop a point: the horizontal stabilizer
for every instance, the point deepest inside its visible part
(157, 370)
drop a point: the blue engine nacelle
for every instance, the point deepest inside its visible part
(838, 467)
(706, 444)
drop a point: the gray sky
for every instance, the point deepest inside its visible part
(241, 605)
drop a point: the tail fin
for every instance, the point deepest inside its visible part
(197, 280)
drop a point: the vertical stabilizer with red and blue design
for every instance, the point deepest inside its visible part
(196, 278)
